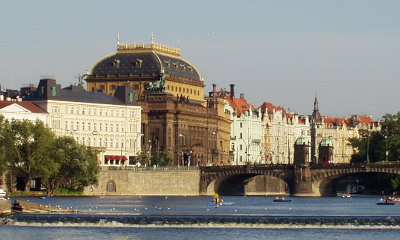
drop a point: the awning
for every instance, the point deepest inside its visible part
(115, 157)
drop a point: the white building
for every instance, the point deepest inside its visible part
(245, 130)
(111, 125)
(18, 110)
(279, 133)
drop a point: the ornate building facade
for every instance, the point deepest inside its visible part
(280, 130)
(176, 119)
(110, 125)
(330, 136)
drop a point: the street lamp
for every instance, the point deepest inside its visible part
(180, 148)
(387, 150)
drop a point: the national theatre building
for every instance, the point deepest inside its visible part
(177, 120)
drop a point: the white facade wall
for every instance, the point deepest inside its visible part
(245, 137)
(110, 129)
(17, 112)
(279, 135)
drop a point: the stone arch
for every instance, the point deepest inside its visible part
(111, 186)
(324, 182)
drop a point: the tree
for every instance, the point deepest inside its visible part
(75, 166)
(391, 130)
(380, 145)
(3, 149)
(28, 146)
(143, 158)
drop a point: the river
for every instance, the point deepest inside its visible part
(250, 217)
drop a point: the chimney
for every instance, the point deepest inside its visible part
(232, 92)
(242, 96)
(214, 90)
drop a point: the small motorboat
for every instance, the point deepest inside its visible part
(212, 203)
(393, 199)
(385, 202)
(346, 195)
(281, 199)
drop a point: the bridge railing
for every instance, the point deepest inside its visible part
(242, 167)
(351, 165)
(166, 168)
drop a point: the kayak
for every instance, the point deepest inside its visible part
(212, 203)
(282, 200)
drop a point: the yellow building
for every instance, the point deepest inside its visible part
(176, 119)
(137, 65)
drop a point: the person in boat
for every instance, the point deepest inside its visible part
(216, 199)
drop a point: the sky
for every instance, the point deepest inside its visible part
(345, 52)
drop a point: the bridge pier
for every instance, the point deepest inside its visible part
(303, 186)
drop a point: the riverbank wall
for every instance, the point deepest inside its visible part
(148, 182)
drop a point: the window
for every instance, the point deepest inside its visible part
(241, 136)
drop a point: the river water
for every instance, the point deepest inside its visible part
(250, 217)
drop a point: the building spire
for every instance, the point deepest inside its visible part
(316, 116)
(118, 38)
(316, 104)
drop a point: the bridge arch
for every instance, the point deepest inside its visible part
(245, 180)
(324, 179)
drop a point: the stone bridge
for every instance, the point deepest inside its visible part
(301, 180)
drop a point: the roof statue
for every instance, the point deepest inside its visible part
(157, 86)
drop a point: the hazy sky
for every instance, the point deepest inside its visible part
(285, 52)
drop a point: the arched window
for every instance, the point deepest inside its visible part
(111, 186)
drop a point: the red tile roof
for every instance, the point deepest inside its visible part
(240, 105)
(268, 107)
(27, 105)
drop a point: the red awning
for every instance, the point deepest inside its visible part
(115, 157)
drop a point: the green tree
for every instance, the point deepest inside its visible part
(378, 144)
(28, 145)
(391, 130)
(3, 144)
(143, 158)
(74, 166)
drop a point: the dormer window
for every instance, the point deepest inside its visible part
(139, 63)
(116, 63)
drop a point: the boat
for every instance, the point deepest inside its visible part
(212, 203)
(393, 199)
(281, 199)
(346, 195)
(2, 192)
(385, 201)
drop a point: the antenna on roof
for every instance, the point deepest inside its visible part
(179, 44)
